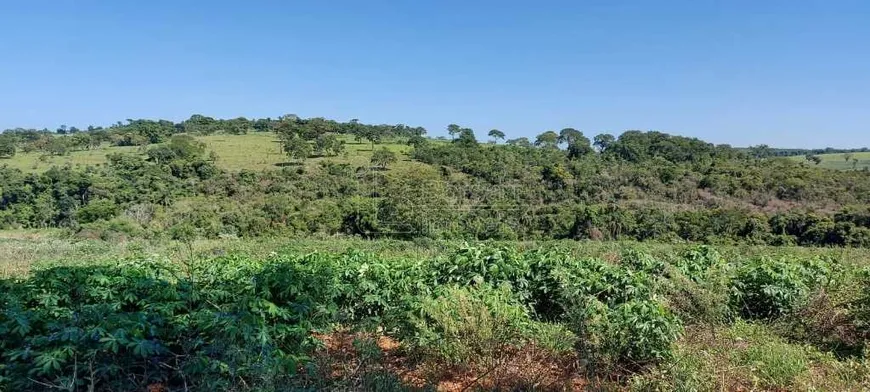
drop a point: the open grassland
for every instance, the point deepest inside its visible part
(35, 162)
(253, 151)
(857, 161)
(262, 151)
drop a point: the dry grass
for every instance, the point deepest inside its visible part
(749, 357)
(347, 359)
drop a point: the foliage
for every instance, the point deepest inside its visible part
(764, 288)
(646, 186)
(239, 323)
(471, 326)
(7, 147)
(149, 322)
(383, 157)
(295, 147)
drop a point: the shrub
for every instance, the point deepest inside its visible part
(145, 322)
(476, 328)
(640, 261)
(826, 320)
(861, 311)
(698, 286)
(766, 288)
(700, 302)
(485, 264)
(633, 334)
(97, 210)
(697, 261)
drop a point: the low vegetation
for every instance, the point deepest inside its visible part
(464, 317)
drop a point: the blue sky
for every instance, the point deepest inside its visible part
(785, 73)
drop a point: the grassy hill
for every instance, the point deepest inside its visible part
(34, 162)
(253, 151)
(858, 161)
(261, 151)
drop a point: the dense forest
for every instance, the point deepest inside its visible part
(562, 185)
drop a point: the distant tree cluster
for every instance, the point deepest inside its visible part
(639, 185)
(765, 151)
(316, 136)
(301, 138)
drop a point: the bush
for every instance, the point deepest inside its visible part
(475, 328)
(97, 210)
(766, 288)
(147, 322)
(861, 312)
(631, 335)
(696, 262)
(828, 320)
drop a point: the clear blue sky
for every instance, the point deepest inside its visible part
(786, 73)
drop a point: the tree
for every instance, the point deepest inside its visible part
(236, 126)
(496, 135)
(547, 139)
(579, 148)
(95, 138)
(453, 130)
(603, 141)
(198, 124)
(578, 144)
(521, 141)
(262, 124)
(417, 141)
(328, 144)
(57, 146)
(383, 157)
(296, 148)
(372, 134)
(7, 147)
(466, 138)
(570, 135)
(315, 127)
(81, 140)
(183, 147)
(760, 151)
(814, 158)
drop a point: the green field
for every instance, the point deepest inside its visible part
(35, 162)
(261, 151)
(857, 161)
(253, 151)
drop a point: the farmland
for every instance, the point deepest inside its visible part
(847, 161)
(444, 315)
(311, 254)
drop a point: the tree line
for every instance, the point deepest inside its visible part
(143, 132)
(639, 185)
